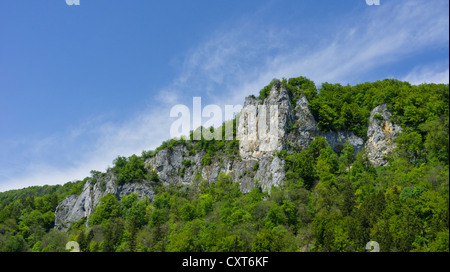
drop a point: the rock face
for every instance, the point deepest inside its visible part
(337, 139)
(168, 164)
(380, 135)
(75, 207)
(308, 130)
(274, 125)
(307, 125)
(263, 128)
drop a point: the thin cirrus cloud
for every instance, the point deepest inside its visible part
(435, 73)
(146, 130)
(238, 60)
(390, 35)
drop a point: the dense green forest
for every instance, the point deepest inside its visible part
(329, 202)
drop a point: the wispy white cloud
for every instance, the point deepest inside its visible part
(144, 131)
(238, 60)
(241, 60)
(428, 74)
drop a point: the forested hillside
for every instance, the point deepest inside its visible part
(329, 202)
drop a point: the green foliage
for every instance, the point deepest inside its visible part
(158, 217)
(205, 204)
(436, 139)
(77, 187)
(107, 208)
(347, 157)
(278, 239)
(410, 144)
(188, 212)
(187, 163)
(206, 160)
(264, 241)
(135, 210)
(301, 85)
(130, 169)
(27, 217)
(266, 90)
(378, 117)
(338, 107)
(295, 87)
(303, 168)
(162, 200)
(225, 188)
(328, 201)
(153, 176)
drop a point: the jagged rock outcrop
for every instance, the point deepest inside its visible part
(76, 207)
(168, 164)
(381, 134)
(307, 128)
(264, 128)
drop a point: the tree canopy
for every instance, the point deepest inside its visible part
(329, 202)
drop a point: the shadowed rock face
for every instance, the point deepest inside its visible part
(263, 128)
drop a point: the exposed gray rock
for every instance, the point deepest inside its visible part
(270, 173)
(168, 162)
(262, 127)
(307, 130)
(337, 139)
(307, 125)
(292, 129)
(76, 207)
(69, 211)
(168, 167)
(381, 135)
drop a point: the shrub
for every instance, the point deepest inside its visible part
(129, 170)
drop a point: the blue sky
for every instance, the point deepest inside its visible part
(83, 84)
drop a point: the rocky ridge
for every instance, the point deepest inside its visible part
(76, 207)
(257, 160)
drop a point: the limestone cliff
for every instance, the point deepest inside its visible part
(76, 207)
(168, 162)
(263, 128)
(381, 135)
(296, 127)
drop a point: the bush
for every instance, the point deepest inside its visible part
(130, 170)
